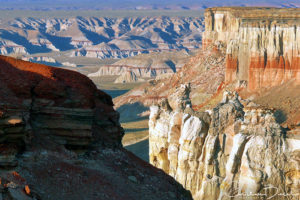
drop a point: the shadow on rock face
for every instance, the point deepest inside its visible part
(140, 149)
(20, 40)
(280, 116)
(132, 112)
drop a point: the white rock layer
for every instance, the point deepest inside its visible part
(235, 152)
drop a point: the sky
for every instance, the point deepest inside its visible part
(139, 4)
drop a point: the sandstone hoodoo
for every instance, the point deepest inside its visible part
(60, 138)
(263, 44)
(232, 151)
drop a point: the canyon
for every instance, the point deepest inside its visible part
(100, 37)
(111, 44)
(60, 138)
(236, 134)
(224, 121)
(231, 37)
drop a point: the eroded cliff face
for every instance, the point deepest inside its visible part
(236, 150)
(263, 44)
(99, 37)
(60, 138)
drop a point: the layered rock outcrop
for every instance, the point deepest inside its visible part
(146, 65)
(237, 150)
(60, 138)
(128, 77)
(263, 44)
(138, 70)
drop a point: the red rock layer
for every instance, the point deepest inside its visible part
(25, 79)
(262, 43)
(50, 97)
(272, 72)
(231, 68)
(206, 43)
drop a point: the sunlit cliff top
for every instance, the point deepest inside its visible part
(258, 12)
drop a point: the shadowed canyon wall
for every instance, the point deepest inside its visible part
(263, 44)
(60, 138)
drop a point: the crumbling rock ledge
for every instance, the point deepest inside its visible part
(60, 138)
(237, 150)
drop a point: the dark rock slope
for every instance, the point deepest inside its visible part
(60, 139)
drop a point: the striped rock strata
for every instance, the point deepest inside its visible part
(263, 44)
(60, 138)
